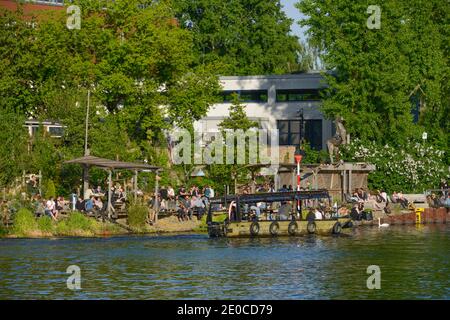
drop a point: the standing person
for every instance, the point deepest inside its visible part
(170, 197)
(163, 193)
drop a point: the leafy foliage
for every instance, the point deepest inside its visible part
(138, 64)
(414, 167)
(375, 73)
(50, 190)
(137, 216)
(24, 222)
(241, 37)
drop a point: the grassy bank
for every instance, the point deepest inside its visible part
(203, 227)
(26, 225)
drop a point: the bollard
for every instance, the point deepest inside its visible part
(419, 212)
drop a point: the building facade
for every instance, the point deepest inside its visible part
(277, 102)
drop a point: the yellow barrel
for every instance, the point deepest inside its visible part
(419, 212)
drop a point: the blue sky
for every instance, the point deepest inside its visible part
(293, 13)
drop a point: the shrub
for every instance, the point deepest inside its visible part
(411, 168)
(50, 190)
(77, 224)
(24, 223)
(137, 216)
(45, 224)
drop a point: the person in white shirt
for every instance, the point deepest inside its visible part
(50, 208)
(318, 215)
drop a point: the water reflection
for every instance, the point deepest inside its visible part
(413, 262)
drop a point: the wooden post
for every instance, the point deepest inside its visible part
(156, 207)
(109, 192)
(253, 182)
(135, 184)
(85, 180)
(40, 183)
(350, 180)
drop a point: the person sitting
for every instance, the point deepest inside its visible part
(89, 205)
(355, 197)
(50, 208)
(232, 211)
(120, 193)
(447, 201)
(310, 216)
(98, 203)
(198, 206)
(182, 211)
(284, 211)
(362, 195)
(257, 208)
(402, 200)
(80, 205)
(88, 193)
(60, 204)
(318, 214)
(355, 214)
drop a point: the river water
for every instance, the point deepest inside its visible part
(414, 264)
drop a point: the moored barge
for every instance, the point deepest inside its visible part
(272, 214)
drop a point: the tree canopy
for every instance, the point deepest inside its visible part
(242, 37)
(390, 84)
(138, 64)
(375, 74)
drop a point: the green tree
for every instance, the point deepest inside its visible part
(139, 65)
(230, 174)
(13, 146)
(243, 37)
(375, 74)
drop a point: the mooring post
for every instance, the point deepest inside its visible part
(156, 195)
(135, 184)
(109, 192)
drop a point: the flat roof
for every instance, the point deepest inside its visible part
(312, 74)
(111, 164)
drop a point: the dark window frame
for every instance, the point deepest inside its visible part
(292, 136)
(296, 95)
(256, 95)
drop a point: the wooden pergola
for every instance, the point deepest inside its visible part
(110, 165)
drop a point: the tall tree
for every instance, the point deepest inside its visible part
(243, 37)
(138, 63)
(375, 72)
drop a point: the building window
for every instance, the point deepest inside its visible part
(56, 131)
(290, 133)
(51, 2)
(246, 95)
(298, 95)
(313, 134)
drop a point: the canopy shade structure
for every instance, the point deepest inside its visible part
(110, 165)
(92, 161)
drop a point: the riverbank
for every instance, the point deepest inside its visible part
(76, 224)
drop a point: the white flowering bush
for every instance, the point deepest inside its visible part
(412, 168)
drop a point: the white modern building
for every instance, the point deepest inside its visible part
(276, 101)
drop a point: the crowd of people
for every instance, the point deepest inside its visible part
(186, 203)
